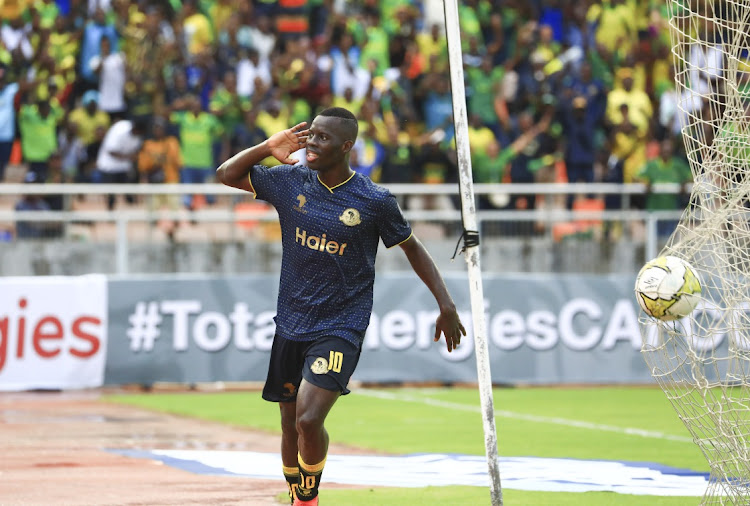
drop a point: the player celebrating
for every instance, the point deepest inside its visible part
(332, 219)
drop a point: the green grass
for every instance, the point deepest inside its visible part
(448, 420)
(473, 496)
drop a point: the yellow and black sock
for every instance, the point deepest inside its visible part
(291, 475)
(309, 479)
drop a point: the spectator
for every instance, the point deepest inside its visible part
(637, 105)
(580, 149)
(433, 46)
(585, 85)
(89, 117)
(547, 48)
(346, 72)
(115, 163)
(614, 172)
(196, 29)
(8, 91)
(273, 116)
(435, 165)
(388, 57)
(484, 84)
(16, 38)
(468, 19)
(72, 152)
(38, 125)
(96, 29)
(229, 51)
(437, 108)
(55, 201)
(228, 107)
(247, 133)
(627, 141)
(398, 159)
(220, 13)
(31, 229)
(92, 155)
(375, 48)
(347, 101)
(110, 69)
(249, 68)
(616, 28)
(673, 109)
(63, 45)
(367, 155)
(311, 85)
(480, 137)
(639, 102)
(159, 162)
(35, 202)
(177, 92)
(474, 54)
(706, 60)
(491, 166)
(262, 37)
(666, 168)
(522, 166)
(198, 131)
(142, 97)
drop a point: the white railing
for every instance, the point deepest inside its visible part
(624, 190)
(122, 218)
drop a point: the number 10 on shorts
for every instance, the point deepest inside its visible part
(335, 361)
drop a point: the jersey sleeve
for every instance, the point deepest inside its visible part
(268, 182)
(393, 228)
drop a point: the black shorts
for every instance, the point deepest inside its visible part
(327, 363)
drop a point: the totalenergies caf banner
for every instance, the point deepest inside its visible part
(540, 329)
(52, 332)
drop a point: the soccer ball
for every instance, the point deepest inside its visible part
(667, 288)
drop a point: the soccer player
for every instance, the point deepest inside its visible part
(332, 219)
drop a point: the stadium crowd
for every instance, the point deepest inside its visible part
(164, 90)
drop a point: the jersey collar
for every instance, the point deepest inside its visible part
(330, 189)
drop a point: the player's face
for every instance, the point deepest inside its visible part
(327, 144)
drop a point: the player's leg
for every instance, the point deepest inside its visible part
(313, 405)
(289, 450)
(284, 377)
(329, 363)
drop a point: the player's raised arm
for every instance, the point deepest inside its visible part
(280, 145)
(448, 323)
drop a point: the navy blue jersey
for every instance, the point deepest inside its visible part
(330, 237)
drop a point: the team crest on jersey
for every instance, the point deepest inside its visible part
(350, 217)
(320, 366)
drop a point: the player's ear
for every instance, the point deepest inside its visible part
(347, 146)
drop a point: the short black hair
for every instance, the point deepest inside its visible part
(345, 115)
(338, 112)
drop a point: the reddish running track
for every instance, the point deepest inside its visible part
(53, 448)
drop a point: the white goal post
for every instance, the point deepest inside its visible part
(471, 248)
(702, 362)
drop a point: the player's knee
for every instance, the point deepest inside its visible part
(309, 423)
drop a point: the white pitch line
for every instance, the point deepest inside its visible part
(630, 431)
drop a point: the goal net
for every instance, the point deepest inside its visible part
(702, 362)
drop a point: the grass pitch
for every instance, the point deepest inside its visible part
(613, 423)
